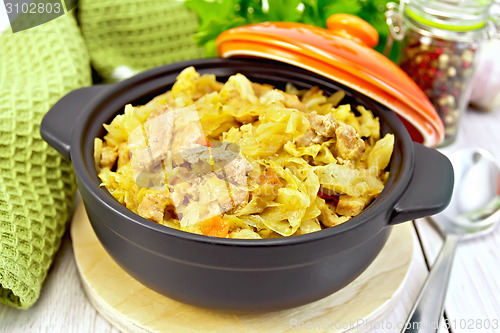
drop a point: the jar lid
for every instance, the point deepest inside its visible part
(453, 15)
(342, 53)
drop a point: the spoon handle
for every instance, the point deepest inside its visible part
(427, 311)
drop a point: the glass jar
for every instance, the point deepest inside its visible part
(438, 46)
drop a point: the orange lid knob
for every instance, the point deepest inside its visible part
(353, 28)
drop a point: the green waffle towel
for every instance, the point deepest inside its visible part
(37, 67)
(137, 34)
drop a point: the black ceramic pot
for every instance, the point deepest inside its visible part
(236, 274)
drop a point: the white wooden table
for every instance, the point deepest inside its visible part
(473, 297)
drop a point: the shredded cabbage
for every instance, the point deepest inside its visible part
(244, 160)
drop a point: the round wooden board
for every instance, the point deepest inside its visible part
(132, 307)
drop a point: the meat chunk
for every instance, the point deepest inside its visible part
(108, 157)
(350, 206)
(308, 138)
(236, 175)
(234, 199)
(233, 168)
(188, 137)
(152, 206)
(323, 125)
(157, 133)
(123, 154)
(165, 137)
(236, 171)
(349, 145)
(321, 129)
(329, 218)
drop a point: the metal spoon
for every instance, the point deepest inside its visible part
(474, 210)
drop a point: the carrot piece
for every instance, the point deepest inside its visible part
(202, 141)
(215, 227)
(269, 177)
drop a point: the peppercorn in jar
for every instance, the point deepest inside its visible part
(439, 44)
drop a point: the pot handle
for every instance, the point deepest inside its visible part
(57, 124)
(430, 188)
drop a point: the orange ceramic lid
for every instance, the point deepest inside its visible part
(342, 53)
